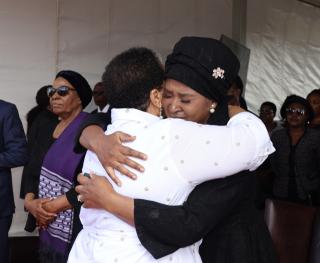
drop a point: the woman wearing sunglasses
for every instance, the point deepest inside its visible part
(296, 161)
(50, 175)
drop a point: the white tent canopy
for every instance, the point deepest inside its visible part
(41, 37)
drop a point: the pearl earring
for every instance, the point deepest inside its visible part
(212, 108)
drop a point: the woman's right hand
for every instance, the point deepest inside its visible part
(94, 191)
(43, 217)
(114, 156)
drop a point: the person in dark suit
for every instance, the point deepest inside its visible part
(100, 98)
(13, 153)
(220, 211)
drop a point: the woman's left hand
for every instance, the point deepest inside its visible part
(57, 205)
(50, 206)
(95, 191)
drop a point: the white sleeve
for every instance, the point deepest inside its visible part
(205, 152)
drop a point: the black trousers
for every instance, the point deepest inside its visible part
(5, 223)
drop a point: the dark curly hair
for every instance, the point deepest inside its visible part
(271, 105)
(296, 99)
(130, 76)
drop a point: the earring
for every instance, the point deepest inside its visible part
(212, 108)
(160, 112)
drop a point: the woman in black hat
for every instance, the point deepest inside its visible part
(49, 177)
(296, 162)
(222, 210)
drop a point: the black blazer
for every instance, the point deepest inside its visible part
(13, 153)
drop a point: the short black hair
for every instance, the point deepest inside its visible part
(296, 99)
(42, 98)
(271, 105)
(130, 76)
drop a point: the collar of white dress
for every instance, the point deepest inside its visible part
(133, 115)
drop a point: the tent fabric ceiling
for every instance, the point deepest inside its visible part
(284, 40)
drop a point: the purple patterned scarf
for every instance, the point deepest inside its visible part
(56, 178)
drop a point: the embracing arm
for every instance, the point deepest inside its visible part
(97, 192)
(221, 150)
(163, 229)
(109, 149)
(99, 120)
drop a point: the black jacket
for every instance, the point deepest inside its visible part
(13, 153)
(302, 162)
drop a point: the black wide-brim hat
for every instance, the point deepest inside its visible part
(204, 64)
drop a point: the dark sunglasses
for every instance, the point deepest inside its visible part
(298, 111)
(62, 91)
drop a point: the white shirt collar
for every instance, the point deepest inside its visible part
(105, 109)
(133, 115)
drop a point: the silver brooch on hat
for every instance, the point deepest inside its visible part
(218, 73)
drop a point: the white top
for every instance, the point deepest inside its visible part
(181, 154)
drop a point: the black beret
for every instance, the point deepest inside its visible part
(204, 64)
(296, 99)
(79, 83)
